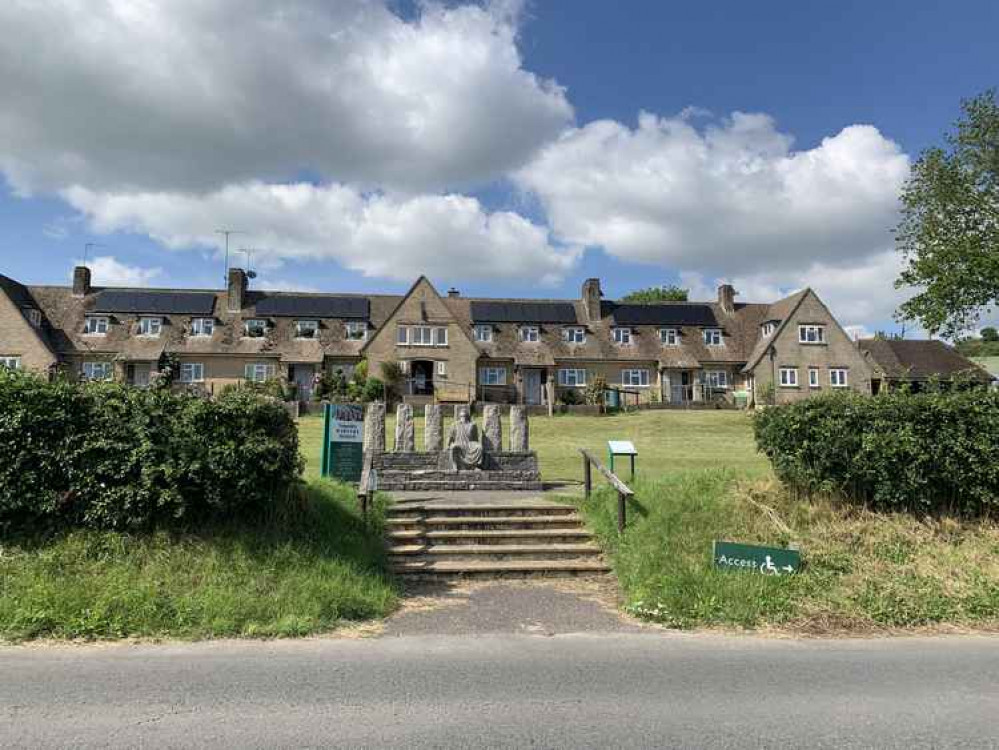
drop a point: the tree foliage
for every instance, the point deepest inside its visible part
(670, 293)
(949, 231)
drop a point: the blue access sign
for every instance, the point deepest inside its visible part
(768, 561)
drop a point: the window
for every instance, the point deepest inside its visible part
(357, 330)
(572, 377)
(811, 334)
(34, 317)
(635, 378)
(150, 326)
(484, 334)
(768, 329)
(492, 376)
(97, 370)
(256, 328)
(258, 372)
(669, 336)
(202, 326)
(574, 335)
(442, 369)
(530, 333)
(712, 336)
(10, 363)
(837, 377)
(95, 326)
(422, 336)
(402, 336)
(813, 377)
(716, 378)
(306, 329)
(440, 337)
(192, 372)
(622, 336)
(789, 377)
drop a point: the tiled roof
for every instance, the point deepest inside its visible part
(778, 312)
(910, 359)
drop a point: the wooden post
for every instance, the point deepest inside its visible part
(587, 477)
(621, 509)
(632, 467)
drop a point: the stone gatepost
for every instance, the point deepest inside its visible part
(519, 441)
(405, 434)
(374, 428)
(492, 429)
(433, 432)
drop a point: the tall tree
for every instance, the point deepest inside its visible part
(658, 294)
(949, 232)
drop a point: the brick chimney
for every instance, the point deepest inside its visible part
(81, 281)
(237, 289)
(726, 298)
(591, 299)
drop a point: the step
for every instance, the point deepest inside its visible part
(486, 522)
(402, 552)
(498, 569)
(398, 511)
(495, 536)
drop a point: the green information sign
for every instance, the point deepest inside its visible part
(342, 453)
(771, 561)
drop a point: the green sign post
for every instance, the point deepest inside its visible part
(342, 452)
(771, 561)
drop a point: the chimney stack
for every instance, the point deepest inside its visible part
(452, 292)
(726, 298)
(237, 290)
(591, 299)
(81, 281)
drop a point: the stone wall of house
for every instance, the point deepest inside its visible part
(18, 338)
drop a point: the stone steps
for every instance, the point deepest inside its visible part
(492, 552)
(484, 511)
(502, 569)
(483, 537)
(561, 521)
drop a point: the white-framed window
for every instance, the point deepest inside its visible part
(572, 377)
(813, 377)
(258, 372)
(357, 330)
(95, 325)
(712, 336)
(97, 370)
(440, 336)
(203, 326)
(441, 369)
(669, 336)
(811, 334)
(150, 326)
(574, 335)
(622, 336)
(492, 375)
(192, 372)
(638, 378)
(306, 329)
(255, 328)
(483, 334)
(838, 377)
(10, 363)
(422, 336)
(768, 328)
(530, 334)
(402, 336)
(716, 378)
(34, 316)
(789, 377)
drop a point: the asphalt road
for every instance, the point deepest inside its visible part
(586, 690)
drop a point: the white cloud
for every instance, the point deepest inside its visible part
(446, 236)
(106, 270)
(128, 95)
(732, 197)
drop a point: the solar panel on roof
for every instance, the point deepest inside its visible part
(303, 306)
(673, 314)
(164, 303)
(523, 312)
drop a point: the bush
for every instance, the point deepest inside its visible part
(922, 453)
(103, 455)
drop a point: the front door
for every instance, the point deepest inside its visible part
(532, 386)
(139, 372)
(301, 376)
(423, 378)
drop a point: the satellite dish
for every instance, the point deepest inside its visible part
(251, 274)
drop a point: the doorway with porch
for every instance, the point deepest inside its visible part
(138, 373)
(533, 390)
(421, 378)
(303, 376)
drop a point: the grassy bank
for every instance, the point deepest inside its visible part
(309, 569)
(863, 571)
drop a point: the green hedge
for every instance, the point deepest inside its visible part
(922, 453)
(103, 455)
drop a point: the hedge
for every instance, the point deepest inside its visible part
(924, 453)
(103, 455)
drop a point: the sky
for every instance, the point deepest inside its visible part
(503, 148)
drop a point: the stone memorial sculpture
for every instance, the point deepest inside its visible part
(464, 448)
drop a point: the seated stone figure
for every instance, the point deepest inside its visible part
(464, 448)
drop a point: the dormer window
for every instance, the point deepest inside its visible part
(357, 330)
(811, 334)
(574, 335)
(95, 326)
(712, 337)
(306, 329)
(255, 328)
(768, 328)
(622, 336)
(202, 326)
(530, 334)
(150, 326)
(669, 336)
(483, 334)
(34, 316)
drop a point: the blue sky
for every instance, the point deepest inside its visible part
(498, 147)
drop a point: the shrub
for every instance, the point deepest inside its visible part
(570, 397)
(596, 391)
(103, 455)
(925, 453)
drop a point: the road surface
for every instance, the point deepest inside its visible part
(584, 690)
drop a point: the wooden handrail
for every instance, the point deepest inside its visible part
(364, 489)
(623, 490)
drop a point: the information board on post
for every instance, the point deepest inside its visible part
(343, 442)
(772, 561)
